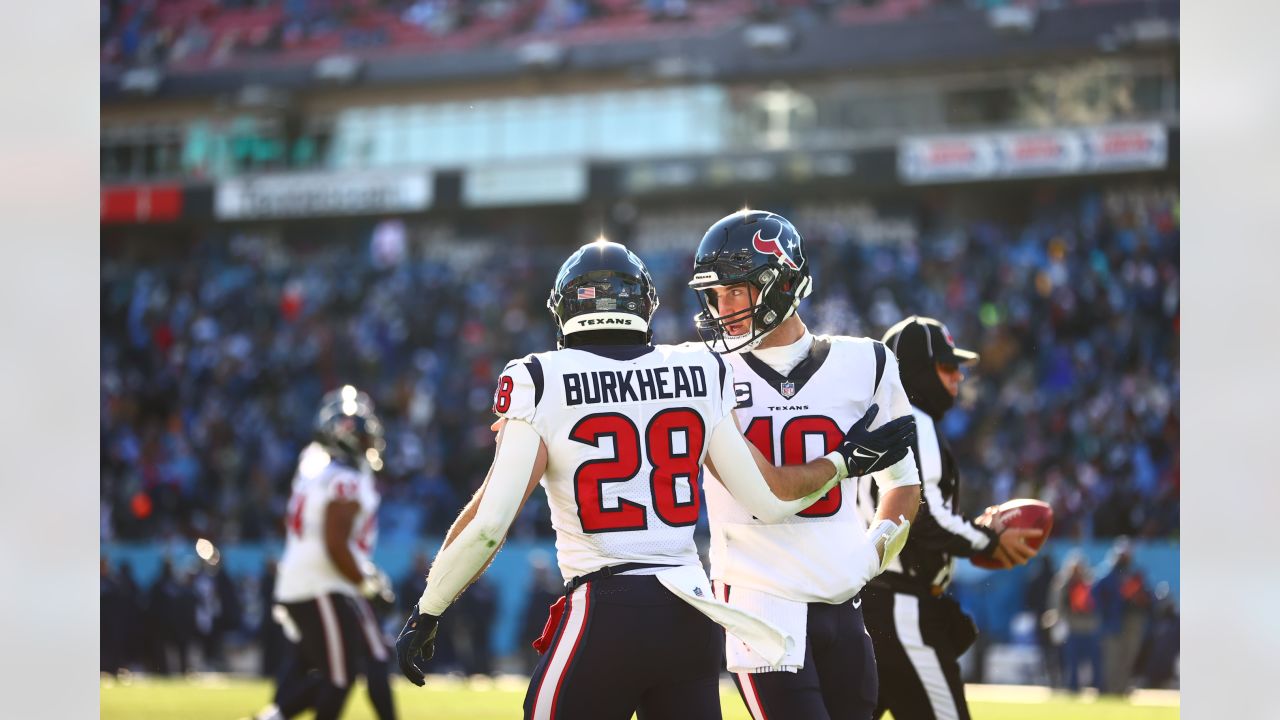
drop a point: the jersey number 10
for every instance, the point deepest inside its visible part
(760, 433)
(667, 466)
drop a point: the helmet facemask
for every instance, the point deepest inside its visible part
(764, 251)
(774, 303)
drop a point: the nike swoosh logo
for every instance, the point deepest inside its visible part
(857, 452)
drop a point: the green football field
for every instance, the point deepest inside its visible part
(219, 698)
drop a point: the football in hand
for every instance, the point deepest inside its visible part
(1023, 513)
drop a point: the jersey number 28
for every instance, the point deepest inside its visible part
(667, 466)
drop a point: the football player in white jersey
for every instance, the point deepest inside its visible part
(326, 573)
(616, 431)
(795, 395)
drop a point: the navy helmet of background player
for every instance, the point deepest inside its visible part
(762, 249)
(658, 651)
(347, 427)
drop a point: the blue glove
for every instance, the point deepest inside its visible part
(416, 645)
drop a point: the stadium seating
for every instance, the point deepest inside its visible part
(213, 360)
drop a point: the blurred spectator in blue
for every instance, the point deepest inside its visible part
(270, 635)
(1039, 602)
(1077, 610)
(1159, 655)
(111, 608)
(476, 614)
(545, 588)
(170, 619)
(1124, 604)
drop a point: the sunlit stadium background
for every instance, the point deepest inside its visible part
(302, 193)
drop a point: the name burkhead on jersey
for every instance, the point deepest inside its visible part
(642, 385)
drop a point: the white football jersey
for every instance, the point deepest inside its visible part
(626, 429)
(305, 570)
(820, 554)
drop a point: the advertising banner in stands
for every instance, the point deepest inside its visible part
(939, 159)
(677, 174)
(1040, 153)
(991, 156)
(333, 193)
(541, 183)
(1126, 147)
(140, 204)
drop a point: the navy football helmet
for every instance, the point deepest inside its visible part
(348, 429)
(603, 286)
(762, 249)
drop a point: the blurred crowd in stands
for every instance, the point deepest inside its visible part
(198, 34)
(192, 34)
(1075, 314)
(214, 355)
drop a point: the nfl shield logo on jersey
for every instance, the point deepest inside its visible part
(788, 389)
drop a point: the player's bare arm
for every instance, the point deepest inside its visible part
(742, 472)
(899, 502)
(861, 453)
(339, 517)
(519, 461)
(789, 482)
(497, 515)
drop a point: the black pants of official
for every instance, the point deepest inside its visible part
(340, 641)
(838, 680)
(919, 640)
(625, 644)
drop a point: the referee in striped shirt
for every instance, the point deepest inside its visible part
(918, 630)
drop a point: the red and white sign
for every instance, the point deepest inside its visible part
(141, 203)
(1041, 153)
(1035, 153)
(956, 157)
(1126, 147)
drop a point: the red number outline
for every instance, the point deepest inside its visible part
(592, 474)
(666, 467)
(760, 433)
(502, 398)
(662, 479)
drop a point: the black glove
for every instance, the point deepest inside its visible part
(416, 645)
(866, 451)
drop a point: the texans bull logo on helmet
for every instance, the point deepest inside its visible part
(771, 246)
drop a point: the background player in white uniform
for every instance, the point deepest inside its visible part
(326, 573)
(796, 394)
(616, 431)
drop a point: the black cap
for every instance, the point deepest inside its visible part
(919, 338)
